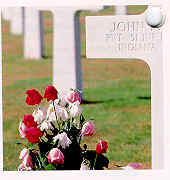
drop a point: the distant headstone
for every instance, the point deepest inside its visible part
(17, 20)
(6, 14)
(131, 37)
(33, 34)
(121, 10)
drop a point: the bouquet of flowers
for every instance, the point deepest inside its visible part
(54, 134)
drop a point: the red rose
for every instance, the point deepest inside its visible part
(33, 135)
(101, 147)
(34, 97)
(51, 93)
(29, 121)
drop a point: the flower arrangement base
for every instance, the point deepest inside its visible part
(55, 133)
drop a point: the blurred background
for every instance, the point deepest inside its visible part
(116, 95)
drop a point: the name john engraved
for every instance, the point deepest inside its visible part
(123, 36)
(132, 36)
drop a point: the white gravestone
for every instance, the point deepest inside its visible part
(67, 71)
(17, 20)
(33, 34)
(6, 13)
(131, 37)
(121, 10)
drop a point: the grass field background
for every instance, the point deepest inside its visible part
(116, 92)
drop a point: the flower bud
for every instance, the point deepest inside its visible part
(101, 147)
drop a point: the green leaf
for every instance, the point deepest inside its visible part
(82, 120)
(50, 167)
(30, 145)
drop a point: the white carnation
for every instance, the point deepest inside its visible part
(75, 109)
(62, 98)
(64, 141)
(50, 110)
(62, 113)
(39, 115)
(46, 126)
(51, 114)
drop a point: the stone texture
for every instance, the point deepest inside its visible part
(17, 20)
(6, 14)
(121, 10)
(67, 71)
(33, 34)
(66, 50)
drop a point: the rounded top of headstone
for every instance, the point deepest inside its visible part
(154, 17)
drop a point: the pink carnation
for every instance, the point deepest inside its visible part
(22, 129)
(23, 154)
(73, 97)
(132, 166)
(135, 165)
(22, 167)
(88, 129)
(55, 156)
(26, 158)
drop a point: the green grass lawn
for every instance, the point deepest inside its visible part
(116, 94)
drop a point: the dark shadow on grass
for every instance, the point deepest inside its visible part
(112, 100)
(144, 97)
(91, 102)
(100, 102)
(46, 57)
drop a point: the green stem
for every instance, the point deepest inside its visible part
(55, 111)
(56, 116)
(41, 160)
(95, 161)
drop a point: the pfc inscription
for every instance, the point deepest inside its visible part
(131, 36)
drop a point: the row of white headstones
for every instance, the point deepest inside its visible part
(67, 71)
(67, 59)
